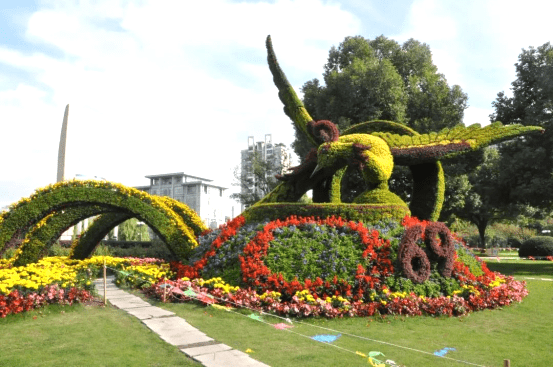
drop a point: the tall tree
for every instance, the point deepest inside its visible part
(380, 79)
(527, 162)
(483, 200)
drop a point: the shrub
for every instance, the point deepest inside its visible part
(515, 235)
(58, 250)
(538, 246)
(153, 249)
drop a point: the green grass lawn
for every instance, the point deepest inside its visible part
(64, 336)
(522, 268)
(521, 333)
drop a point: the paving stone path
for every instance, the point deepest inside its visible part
(175, 330)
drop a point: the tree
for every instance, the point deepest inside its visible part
(256, 179)
(482, 201)
(380, 79)
(527, 163)
(132, 230)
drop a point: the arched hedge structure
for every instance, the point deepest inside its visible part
(48, 212)
(95, 233)
(40, 238)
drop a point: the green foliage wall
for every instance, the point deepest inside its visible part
(365, 213)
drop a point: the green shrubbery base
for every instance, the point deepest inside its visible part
(365, 213)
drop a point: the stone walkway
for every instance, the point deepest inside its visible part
(175, 330)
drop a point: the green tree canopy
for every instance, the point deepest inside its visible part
(380, 79)
(482, 200)
(527, 162)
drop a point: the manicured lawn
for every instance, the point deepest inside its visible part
(83, 336)
(522, 268)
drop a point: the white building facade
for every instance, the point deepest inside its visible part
(210, 201)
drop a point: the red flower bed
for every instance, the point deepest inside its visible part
(15, 302)
(227, 230)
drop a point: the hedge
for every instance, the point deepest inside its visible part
(48, 230)
(366, 213)
(538, 246)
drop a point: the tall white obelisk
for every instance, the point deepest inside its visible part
(61, 151)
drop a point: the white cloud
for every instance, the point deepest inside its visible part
(475, 115)
(475, 44)
(158, 86)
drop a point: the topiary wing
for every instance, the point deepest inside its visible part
(418, 149)
(381, 126)
(293, 107)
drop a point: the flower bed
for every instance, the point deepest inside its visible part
(349, 270)
(282, 258)
(63, 281)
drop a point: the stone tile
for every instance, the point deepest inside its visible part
(176, 331)
(115, 294)
(147, 312)
(208, 349)
(229, 358)
(123, 296)
(128, 302)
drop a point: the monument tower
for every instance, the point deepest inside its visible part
(61, 151)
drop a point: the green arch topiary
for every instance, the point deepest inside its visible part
(103, 225)
(85, 246)
(188, 215)
(113, 197)
(48, 230)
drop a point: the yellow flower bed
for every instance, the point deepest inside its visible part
(218, 283)
(67, 273)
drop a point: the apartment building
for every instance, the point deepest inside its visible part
(277, 154)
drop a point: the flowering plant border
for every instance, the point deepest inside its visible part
(257, 275)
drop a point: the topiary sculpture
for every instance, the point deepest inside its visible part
(375, 147)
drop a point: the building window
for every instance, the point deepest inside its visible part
(191, 189)
(205, 189)
(220, 192)
(166, 192)
(166, 181)
(154, 192)
(155, 181)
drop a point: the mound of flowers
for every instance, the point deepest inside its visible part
(332, 267)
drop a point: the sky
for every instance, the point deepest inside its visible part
(166, 86)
